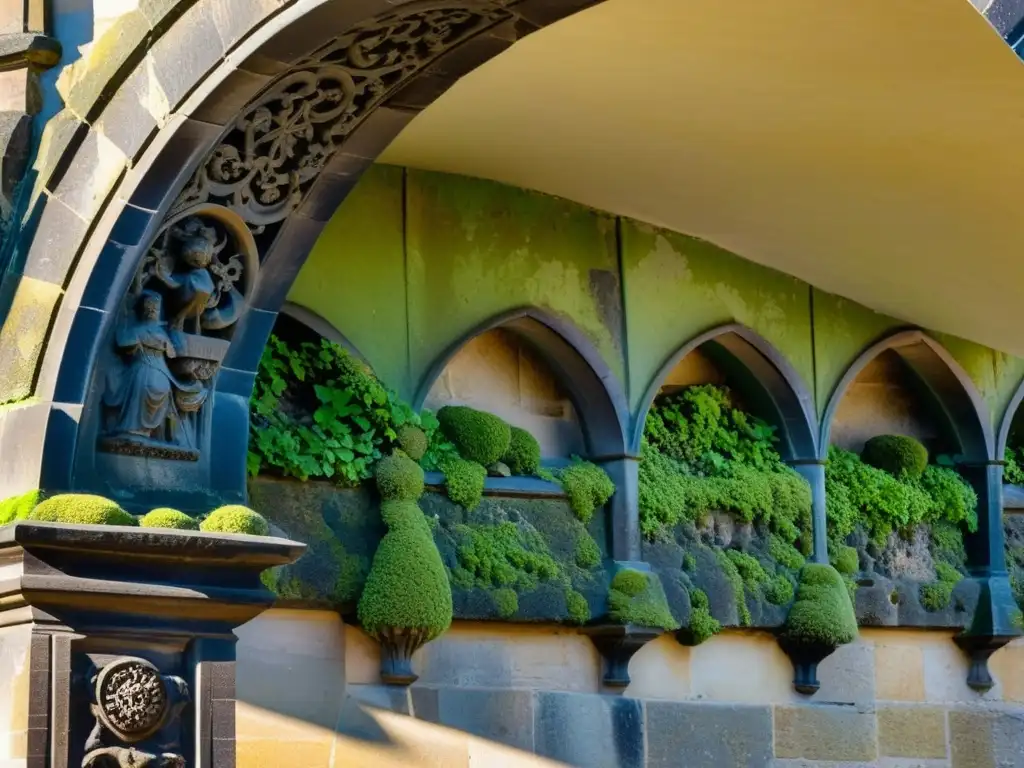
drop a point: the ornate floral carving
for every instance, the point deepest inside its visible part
(134, 703)
(267, 162)
(186, 297)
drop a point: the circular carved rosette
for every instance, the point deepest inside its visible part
(132, 699)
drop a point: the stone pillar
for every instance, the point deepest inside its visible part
(993, 624)
(813, 471)
(624, 507)
(117, 644)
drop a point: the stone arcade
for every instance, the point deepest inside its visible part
(510, 382)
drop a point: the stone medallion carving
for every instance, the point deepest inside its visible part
(266, 163)
(186, 297)
(132, 699)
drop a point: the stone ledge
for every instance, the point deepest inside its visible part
(26, 49)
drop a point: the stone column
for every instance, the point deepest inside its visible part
(117, 644)
(993, 625)
(624, 507)
(813, 471)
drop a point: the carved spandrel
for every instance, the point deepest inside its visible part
(137, 712)
(185, 299)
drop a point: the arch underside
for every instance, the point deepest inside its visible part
(260, 150)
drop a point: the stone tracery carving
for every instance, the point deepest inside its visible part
(134, 703)
(262, 169)
(172, 336)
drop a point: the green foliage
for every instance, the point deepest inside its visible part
(637, 598)
(506, 601)
(588, 488)
(702, 625)
(735, 580)
(464, 481)
(18, 507)
(399, 478)
(479, 436)
(859, 494)
(937, 595)
(523, 454)
(165, 517)
(588, 554)
(899, 455)
(412, 440)
(82, 509)
(402, 512)
(1013, 472)
(750, 570)
(785, 554)
(822, 613)
(503, 555)
(948, 543)
(577, 606)
(846, 560)
(235, 519)
(689, 563)
(779, 590)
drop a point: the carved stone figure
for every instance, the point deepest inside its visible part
(171, 340)
(133, 703)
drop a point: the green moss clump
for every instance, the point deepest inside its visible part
(464, 481)
(749, 568)
(235, 518)
(588, 554)
(588, 488)
(165, 517)
(506, 601)
(899, 455)
(846, 560)
(18, 507)
(779, 590)
(398, 513)
(412, 440)
(735, 580)
(822, 614)
(399, 478)
(577, 606)
(523, 454)
(638, 598)
(937, 595)
(689, 563)
(503, 555)
(479, 436)
(81, 508)
(785, 554)
(702, 625)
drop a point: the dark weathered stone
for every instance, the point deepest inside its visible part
(504, 716)
(24, 335)
(186, 52)
(617, 645)
(825, 733)
(704, 735)
(49, 258)
(590, 731)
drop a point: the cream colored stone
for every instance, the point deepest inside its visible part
(362, 657)
(747, 667)
(1007, 666)
(945, 672)
(695, 368)
(15, 643)
(899, 670)
(370, 738)
(487, 754)
(660, 670)
(912, 731)
(509, 656)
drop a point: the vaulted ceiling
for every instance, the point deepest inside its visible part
(873, 148)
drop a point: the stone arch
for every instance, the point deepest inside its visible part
(1007, 421)
(321, 326)
(576, 363)
(765, 376)
(113, 174)
(951, 389)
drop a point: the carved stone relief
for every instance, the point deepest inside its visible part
(172, 336)
(137, 712)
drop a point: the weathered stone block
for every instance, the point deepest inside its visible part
(912, 731)
(980, 739)
(98, 165)
(23, 336)
(499, 715)
(187, 52)
(590, 731)
(234, 19)
(825, 733)
(708, 735)
(135, 111)
(388, 697)
(899, 672)
(847, 676)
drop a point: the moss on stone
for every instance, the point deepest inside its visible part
(18, 507)
(751, 571)
(503, 555)
(735, 580)
(506, 601)
(588, 488)
(235, 518)
(937, 595)
(396, 513)
(822, 614)
(638, 598)
(784, 553)
(689, 563)
(412, 440)
(779, 590)
(399, 478)
(81, 508)
(464, 481)
(523, 454)
(588, 554)
(702, 624)
(479, 436)
(164, 517)
(577, 606)
(846, 560)
(899, 455)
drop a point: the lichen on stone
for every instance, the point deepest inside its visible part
(235, 518)
(82, 509)
(164, 517)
